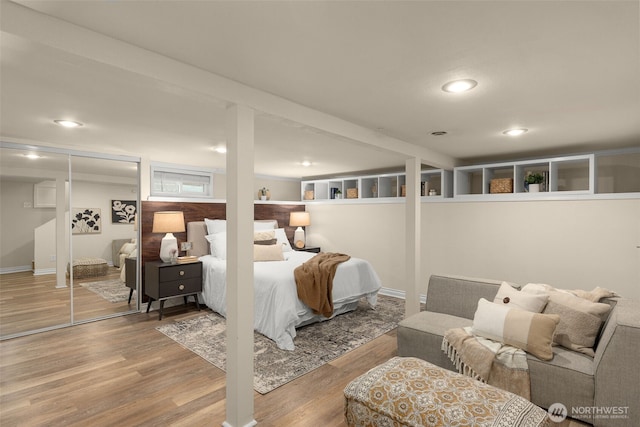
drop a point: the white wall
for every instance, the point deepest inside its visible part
(568, 244)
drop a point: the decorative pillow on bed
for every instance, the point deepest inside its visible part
(264, 235)
(217, 244)
(267, 253)
(215, 225)
(508, 295)
(580, 320)
(531, 332)
(282, 240)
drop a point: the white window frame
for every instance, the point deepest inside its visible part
(181, 175)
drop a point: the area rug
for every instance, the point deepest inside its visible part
(112, 290)
(316, 344)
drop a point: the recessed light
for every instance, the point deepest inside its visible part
(515, 132)
(221, 150)
(457, 86)
(438, 133)
(68, 123)
(32, 156)
(306, 163)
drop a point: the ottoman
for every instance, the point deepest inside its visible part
(407, 391)
(89, 267)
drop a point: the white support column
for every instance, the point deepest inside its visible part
(412, 249)
(240, 148)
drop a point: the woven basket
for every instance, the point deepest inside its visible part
(403, 191)
(308, 195)
(501, 185)
(89, 267)
(352, 193)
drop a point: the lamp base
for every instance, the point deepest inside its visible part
(169, 248)
(298, 238)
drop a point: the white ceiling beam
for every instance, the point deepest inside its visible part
(49, 31)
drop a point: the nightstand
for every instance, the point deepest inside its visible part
(314, 249)
(130, 272)
(165, 280)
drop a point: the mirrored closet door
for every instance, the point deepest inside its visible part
(67, 221)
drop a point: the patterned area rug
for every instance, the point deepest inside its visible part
(316, 344)
(111, 290)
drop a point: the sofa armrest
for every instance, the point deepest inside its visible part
(115, 249)
(617, 373)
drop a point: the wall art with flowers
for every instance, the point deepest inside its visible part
(123, 211)
(86, 221)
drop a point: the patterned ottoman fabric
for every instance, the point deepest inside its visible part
(407, 391)
(89, 267)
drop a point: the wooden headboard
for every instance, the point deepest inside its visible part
(150, 242)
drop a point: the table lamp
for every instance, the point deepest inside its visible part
(168, 222)
(299, 219)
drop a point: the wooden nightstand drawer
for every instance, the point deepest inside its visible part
(179, 272)
(176, 288)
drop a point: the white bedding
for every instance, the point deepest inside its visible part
(277, 309)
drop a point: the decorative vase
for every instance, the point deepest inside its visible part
(534, 188)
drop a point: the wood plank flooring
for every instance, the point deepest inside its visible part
(29, 302)
(123, 372)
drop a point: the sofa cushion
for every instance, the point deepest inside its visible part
(420, 335)
(566, 379)
(457, 295)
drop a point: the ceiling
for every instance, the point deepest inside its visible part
(569, 72)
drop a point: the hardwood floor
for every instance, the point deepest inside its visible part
(29, 302)
(123, 372)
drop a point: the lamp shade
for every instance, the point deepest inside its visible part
(299, 219)
(168, 222)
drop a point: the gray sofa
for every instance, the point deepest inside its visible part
(608, 383)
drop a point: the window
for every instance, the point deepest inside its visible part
(179, 181)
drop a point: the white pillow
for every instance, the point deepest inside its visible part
(511, 297)
(218, 244)
(215, 225)
(127, 248)
(282, 240)
(265, 225)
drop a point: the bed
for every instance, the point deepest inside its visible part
(277, 309)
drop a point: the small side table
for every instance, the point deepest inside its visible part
(164, 280)
(314, 249)
(130, 272)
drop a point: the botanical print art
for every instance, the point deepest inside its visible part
(123, 211)
(86, 221)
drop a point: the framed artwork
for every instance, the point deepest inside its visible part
(86, 221)
(123, 211)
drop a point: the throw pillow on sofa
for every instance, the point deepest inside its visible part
(580, 319)
(531, 332)
(508, 295)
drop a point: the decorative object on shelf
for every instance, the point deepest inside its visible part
(123, 211)
(433, 192)
(338, 194)
(299, 219)
(264, 194)
(352, 193)
(534, 179)
(374, 190)
(403, 190)
(186, 247)
(309, 195)
(501, 185)
(168, 222)
(86, 221)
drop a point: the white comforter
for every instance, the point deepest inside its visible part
(277, 309)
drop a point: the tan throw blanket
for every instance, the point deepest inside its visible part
(314, 280)
(491, 362)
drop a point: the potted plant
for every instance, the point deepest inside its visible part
(338, 194)
(263, 193)
(534, 179)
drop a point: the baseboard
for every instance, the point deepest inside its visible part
(43, 271)
(16, 269)
(399, 294)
